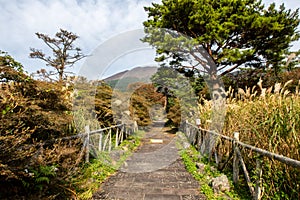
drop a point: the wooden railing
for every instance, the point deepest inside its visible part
(196, 136)
(106, 138)
(95, 141)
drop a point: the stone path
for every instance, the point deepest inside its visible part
(154, 171)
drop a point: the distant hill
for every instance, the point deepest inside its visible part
(137, 72)
(116, 76)
(123, 79)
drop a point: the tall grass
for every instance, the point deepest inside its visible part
(268, 118)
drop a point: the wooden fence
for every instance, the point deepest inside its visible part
(105, 139)
(95, 141)
(197, 135)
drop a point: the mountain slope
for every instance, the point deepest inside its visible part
(121, 80)
(141, 73)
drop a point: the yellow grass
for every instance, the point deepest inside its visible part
(269, 120)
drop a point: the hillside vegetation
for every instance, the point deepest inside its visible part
(267, 118)
(33, 112)
(36, 164)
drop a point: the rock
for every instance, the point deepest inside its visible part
(213, 169)
(200, 167)
(220, 184)
(117, 102)
(127, 112)
(186, 145)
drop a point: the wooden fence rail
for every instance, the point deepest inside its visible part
(196, 136)
(105, 139)
(95, 141)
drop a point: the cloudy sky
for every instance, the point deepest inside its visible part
(95, 21)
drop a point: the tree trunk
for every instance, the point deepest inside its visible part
(218, 97)
(60, 75)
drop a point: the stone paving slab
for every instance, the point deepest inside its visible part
(154, 171)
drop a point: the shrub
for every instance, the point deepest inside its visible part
(33, 112)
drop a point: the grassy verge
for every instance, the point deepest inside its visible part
(99, 169)
(191, 157)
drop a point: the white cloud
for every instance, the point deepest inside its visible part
(93, 21)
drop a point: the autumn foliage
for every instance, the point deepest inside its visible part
(143, 99)
(34, 115)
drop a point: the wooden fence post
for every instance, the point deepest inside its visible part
(199, 140)
(87, 155)
(187, 130)
(135, 126)
(235, 158)
(259, 178)
(117, 138)
(216, 157)
(198, 133)
(100, 141)
(110, 138)
(198, 123)
(126, 131)
(105, 141)
(246, 174)
(121, 134)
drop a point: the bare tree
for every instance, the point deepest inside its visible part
(65, 54)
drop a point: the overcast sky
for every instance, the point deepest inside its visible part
(95, 21)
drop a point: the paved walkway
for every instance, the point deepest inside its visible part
(155, 171)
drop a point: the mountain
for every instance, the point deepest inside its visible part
(140, 73)
(121, 80)
(116, 76)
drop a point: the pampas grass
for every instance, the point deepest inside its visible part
(268, 118)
